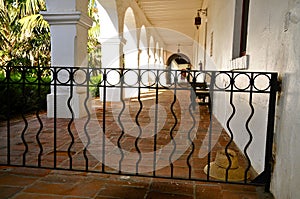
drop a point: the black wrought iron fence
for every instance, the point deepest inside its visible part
(197, 125)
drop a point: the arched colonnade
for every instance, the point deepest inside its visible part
(127, 40)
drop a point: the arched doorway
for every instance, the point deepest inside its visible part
(130, 49)
(177, 61)
(144, 57)
(110, 45)
(151, 53)
(130, 52)
(109, 34)
(143, 47)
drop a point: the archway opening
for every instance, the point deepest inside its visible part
(143, 46)
(130, 54)
(109, 34)
(177, 61)
(151, 53)
(130, 49)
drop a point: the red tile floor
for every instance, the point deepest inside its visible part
(23, 183)
(122, 151)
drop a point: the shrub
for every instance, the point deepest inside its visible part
(20, 96)
(25, 95)
(95, 83)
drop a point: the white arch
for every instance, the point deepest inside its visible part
(130, 51)
(143, 46)
(151, 53)
(130, 35)
(157, 54)
(144, 57)
(159, 66)
(161, 57)
(108, 17)
(110, 44)
(109, 33)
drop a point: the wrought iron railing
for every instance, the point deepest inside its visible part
(156, 123)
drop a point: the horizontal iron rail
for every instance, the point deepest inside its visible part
(133, 174)
(71, 78)
(232, 82)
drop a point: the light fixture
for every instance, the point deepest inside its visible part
(198, 18)
(178, 48)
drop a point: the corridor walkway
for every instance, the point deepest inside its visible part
(27, 183)
(116, 144)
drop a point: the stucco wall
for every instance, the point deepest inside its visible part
(273, 45)
(221, 18)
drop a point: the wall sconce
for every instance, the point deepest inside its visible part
(198, 18)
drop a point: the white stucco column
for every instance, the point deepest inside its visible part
(111, 56)
(69, 26)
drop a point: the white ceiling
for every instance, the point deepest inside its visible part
(177, 15)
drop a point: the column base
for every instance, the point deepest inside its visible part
(112, 94)
(62, 109)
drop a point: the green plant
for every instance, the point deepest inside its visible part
(22, 93)
(95, 83)
(93, 45)
(24, 34)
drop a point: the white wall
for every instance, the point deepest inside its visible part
(220, 21)
(271, 47)
(279, 50)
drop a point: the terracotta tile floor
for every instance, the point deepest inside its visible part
(23, 183)
(84, 149)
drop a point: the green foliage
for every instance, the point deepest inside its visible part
(93, 46)
(22, 94)
(24, 34)
(94, 87)
(25, 41)
(26, 93)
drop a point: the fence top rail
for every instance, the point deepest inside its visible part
(74, 68)
(233, 81)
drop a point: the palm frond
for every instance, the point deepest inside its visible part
(31, 7)
(33, 23)
(94, 31)
(2, 6)
(91, 7)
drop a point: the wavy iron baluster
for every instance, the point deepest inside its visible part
(87, 121)
(8, 73)
(228, 126)
(71, 120)
(155, 125)
(174, 126)
(210, 107)
(138, 124)
(248, 129)
(23, 116)
(39, 118)
(191, 107)
(104, 119)
(120, 122)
